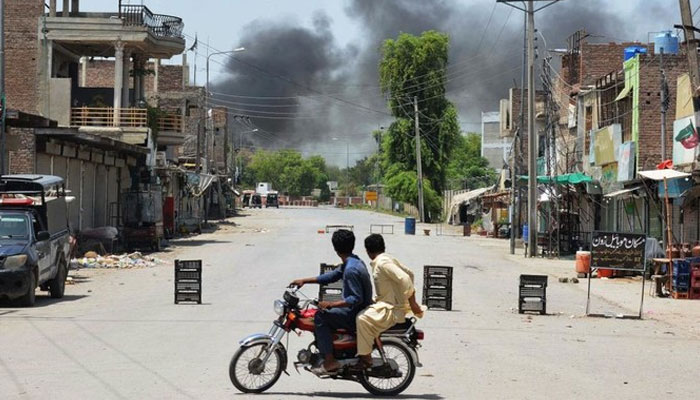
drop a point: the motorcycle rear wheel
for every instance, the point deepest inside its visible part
(391, 386)
(246, 372)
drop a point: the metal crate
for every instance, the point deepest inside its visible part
(188, 281)
(437, 287)
(332, 291)
(532, 294)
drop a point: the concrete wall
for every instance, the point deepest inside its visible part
(60, 100)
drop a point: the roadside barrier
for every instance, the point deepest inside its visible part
(383, 229)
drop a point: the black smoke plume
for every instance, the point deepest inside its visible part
(286, 60)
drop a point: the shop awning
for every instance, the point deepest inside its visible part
(461, 198)
(565, 179)
(661, 174)
(623, 192)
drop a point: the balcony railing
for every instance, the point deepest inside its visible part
(170, 123)
(105, 117)
(159, 24)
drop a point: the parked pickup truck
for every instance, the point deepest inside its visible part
(34, 236)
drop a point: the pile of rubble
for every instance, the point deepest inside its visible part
(131, 260)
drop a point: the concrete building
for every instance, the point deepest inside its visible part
(99, 137)
(50, 53)
(494, 147)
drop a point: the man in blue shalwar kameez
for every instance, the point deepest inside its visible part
(357, 295)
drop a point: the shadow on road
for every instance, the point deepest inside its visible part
(43, 301)
(349, 395)
(197, 242)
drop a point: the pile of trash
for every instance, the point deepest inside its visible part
(132, 260)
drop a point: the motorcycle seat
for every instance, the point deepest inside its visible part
(400, 327)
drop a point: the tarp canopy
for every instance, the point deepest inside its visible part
(453, 212)
(565, 179)
(661, 174)
(623, 192)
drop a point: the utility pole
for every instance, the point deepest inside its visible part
(3, 96)
(197, 157)
(691, 42)
(418, 161)
(664, 104)
(531, 134)
(517, 150)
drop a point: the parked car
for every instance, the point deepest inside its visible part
(272, 200)
(34, 237)
(256, 201)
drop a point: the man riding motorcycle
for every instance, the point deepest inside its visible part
(396, 296)
(357, 295)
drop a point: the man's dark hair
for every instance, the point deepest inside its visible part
(374, 244)
(343, 241)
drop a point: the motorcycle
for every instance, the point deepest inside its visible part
(261, 358)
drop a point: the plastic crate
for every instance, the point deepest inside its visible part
(694, 281)
(681, 266)
(444, 304)
(437, 271)
(532, 294)
(437, 293)
(694, 293)
(330, 294)
(188, 281)
(437, 281)
(530, 305)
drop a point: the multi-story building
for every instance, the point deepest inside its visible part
(99, 139)
(494, 147)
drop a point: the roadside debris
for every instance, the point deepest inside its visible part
(123, 261)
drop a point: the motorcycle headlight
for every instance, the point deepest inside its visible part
(15, 262)
(279, 307)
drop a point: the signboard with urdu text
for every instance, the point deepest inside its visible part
(616, 250)
(371, 196)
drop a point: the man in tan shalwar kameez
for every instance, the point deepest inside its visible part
(395, 297)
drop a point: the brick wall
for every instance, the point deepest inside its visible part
(596, 60)
(21, 147)
(170, 78)
(21, 54)
(650, 107)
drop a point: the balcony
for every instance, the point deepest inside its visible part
(160, 25)
(94, 34)
(103, 117)
(128, 124)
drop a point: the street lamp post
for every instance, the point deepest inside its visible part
(206, 106)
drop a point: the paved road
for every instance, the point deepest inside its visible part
(117, 335)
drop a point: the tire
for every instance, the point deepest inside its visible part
(28, 299)
(277, 356)
(57, 286)
(392, 349)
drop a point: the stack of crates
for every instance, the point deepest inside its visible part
(188, 281)
(533, 294)
(694, 292)
(680, 284)
(332, 291)
(437, 287)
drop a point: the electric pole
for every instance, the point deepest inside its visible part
(532, 135)
(418, 161)
(517, 150)
(664, 104)
(691, 42)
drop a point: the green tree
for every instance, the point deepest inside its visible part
(288, 171)
(414, 66)
(467, 168)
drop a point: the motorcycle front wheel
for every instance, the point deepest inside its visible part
(247, 372)
(391, 386)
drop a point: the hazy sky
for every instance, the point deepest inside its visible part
(332, 46)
